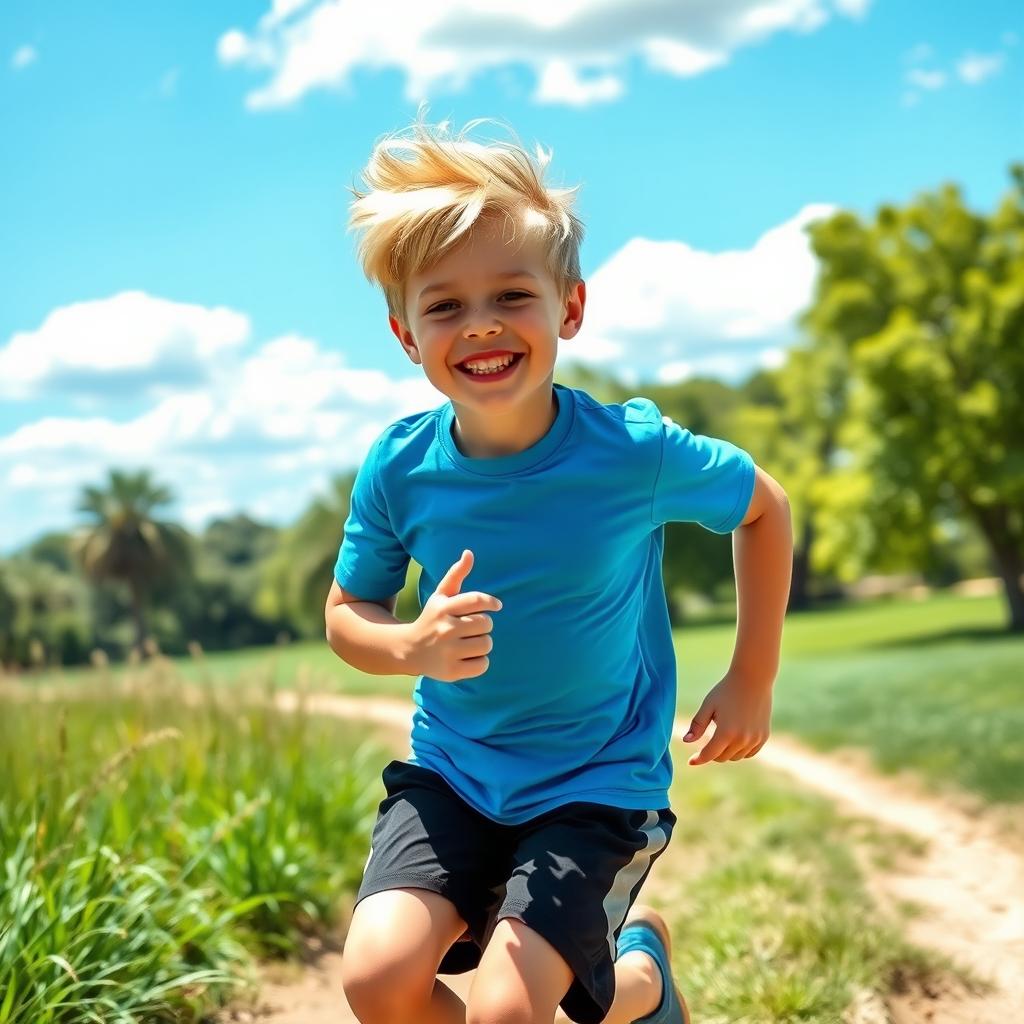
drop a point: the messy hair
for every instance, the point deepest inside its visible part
(417, 208)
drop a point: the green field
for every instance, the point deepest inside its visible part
(153, 849)
(935, 685)
(214, 835)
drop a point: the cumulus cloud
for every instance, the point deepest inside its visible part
(665, 310)
(560, 83)
(926, 79)
(131, 341)
(226, 431)
(972, 68)
(23, 56)
(579, 49)
(976, 67)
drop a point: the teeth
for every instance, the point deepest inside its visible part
(491, 365)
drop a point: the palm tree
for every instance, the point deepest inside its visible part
(124, 543)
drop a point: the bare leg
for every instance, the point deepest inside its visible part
(445, 1007)
(395, 942)
(638, 985)
(637, 990)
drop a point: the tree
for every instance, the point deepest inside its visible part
(928, 301)
(295, 579)
(125, 543)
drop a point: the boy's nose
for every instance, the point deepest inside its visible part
(479, 330)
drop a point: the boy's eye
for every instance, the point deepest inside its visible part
(439, 308)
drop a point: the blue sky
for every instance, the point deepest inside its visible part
(178, 290)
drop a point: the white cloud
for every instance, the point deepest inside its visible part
(129, 341)
(560, 83)
(681, 59)
(971, 68)
(307, 45)
(926, 79)
(23, 56)
(266, 422)
(976, 67)
(665, 308)
(853, 8)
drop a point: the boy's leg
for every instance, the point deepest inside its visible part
(634, 987)
(521, 977)
(517, 953)
(427, 878)
(395, 943)
(576, 872)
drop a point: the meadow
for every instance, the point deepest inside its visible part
(154, 850)
(151, 850)
(932, 685)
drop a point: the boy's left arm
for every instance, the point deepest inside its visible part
(740, 705)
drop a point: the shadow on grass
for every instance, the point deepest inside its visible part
(977, 634)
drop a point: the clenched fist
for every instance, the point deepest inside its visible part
(450, 640)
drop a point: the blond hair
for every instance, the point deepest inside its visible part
(417, 208)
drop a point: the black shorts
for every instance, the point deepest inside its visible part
(570, 874)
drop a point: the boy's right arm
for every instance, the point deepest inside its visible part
(366, 635)
(449, 641)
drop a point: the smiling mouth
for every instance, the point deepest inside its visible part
(516, 358)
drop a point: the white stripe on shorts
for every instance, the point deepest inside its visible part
(616, 903)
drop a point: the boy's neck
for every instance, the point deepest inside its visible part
(479, 438)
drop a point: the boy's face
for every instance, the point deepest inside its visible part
(488, 295)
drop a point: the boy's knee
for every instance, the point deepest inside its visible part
(385, 989)
(500, 1008)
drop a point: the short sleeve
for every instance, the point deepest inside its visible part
(701, 480)
(371, 560)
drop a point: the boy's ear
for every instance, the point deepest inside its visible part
(404, 335)
(572, 321)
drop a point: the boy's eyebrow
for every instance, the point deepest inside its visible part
(447, 284)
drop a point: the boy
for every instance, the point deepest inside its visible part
(518, 835)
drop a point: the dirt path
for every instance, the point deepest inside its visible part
(969, 882)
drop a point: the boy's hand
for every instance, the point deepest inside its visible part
(742, 711)
(449, 640)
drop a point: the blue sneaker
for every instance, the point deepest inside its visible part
(646, 931)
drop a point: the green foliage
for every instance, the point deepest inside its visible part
(297, 576)
(926, 305)
(150, 847)
(125, 542)
(43, 613)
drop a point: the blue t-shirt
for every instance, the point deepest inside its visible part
(579, 696)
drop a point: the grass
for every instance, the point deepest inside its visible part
(151, 849)
(763, 887)
(935, 686)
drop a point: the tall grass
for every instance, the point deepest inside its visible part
(150, 848)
